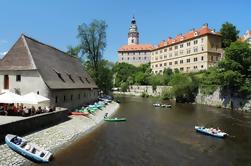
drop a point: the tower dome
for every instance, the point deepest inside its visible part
(133, 34)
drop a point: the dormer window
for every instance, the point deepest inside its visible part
(80, 78)
(70, 77)
(59, 75)
(87, 80)
(195, 33)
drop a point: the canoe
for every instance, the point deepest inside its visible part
(162, 105)
(79, 113)
(115, 119)
(210, 131)
(27, 149)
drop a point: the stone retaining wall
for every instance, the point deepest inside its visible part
(223, 100)
(139, 89)
(33, 123)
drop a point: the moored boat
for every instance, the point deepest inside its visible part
(166, 105)
(79, 113)
(211, 131)
(115, 119)
(27, 149)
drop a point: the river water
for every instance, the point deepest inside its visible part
(161, 136)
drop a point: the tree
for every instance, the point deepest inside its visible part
(229, 34)
(236, 68)
(93, 42)
(73, 51)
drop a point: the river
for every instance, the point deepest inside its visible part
(161, 136)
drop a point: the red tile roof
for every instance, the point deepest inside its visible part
(136, 47)
(189, 35)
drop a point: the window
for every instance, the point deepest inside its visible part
(202, 58)
(170, 55)
(195, 59)
(81, 79)
(156, 65)
(56, 99)
(188, 51)
(161, 51)
(87, 80)
(176, 62)
(18, 78)
(181, 69)
(160, 65)
(201, 40)
(59, 75)
(202, 66)
(122, 59)
(188, 60)
(176, 47)
(181, 61)
(181, 46)
(195, 67)
(156, 52)
(195, 42)
(64, 98)
(133, 58)
(164, 64)
(170, 63)
(70, 78)
(195, 49)
(188, 43)
(145, 58)
(38, 92)
(165, 50)
(202, 48)
(165, 56)
(170, 48)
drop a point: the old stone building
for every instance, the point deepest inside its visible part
(32, 66)
(134, 53)
(190, 52)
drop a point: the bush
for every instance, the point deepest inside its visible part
(166, 94)
(144, 94)
(124, 86)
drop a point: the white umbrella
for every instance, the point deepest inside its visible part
(9, 97)
(33, 98)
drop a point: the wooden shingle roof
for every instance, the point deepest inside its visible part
(58, 70)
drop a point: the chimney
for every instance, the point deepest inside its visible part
(205, 25)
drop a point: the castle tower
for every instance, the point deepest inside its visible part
(133, 34)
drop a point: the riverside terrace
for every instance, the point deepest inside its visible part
(22, 125)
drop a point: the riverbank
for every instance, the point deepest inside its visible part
(59, 136)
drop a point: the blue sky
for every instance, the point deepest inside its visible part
(55, 22)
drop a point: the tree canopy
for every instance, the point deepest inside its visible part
(229, 34)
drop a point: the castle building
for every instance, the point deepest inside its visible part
(246, 37)
(133, 52)
(190, 52)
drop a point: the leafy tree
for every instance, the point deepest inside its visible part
(184, 87)
(122, 72)
(167, 74)
(236, 68)
(229, 34)
(104, 75)
(93, 42)
(74, 51)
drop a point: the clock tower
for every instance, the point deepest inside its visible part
(133, 34)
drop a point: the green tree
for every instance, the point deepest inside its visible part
(229, 34)
(93, 42)
(184, 87)
(74, 51)
(122, 72)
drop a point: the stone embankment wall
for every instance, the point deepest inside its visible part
(223, 100)
(137, 90)
(33, 123)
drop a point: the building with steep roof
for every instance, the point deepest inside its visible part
(133, 52)
(32, 66)
(195, 50)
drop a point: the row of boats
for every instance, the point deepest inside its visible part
(39, 155)
(162, 105)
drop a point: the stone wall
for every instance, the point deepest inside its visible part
(139, 89)
(223, 99)
(33, 123)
